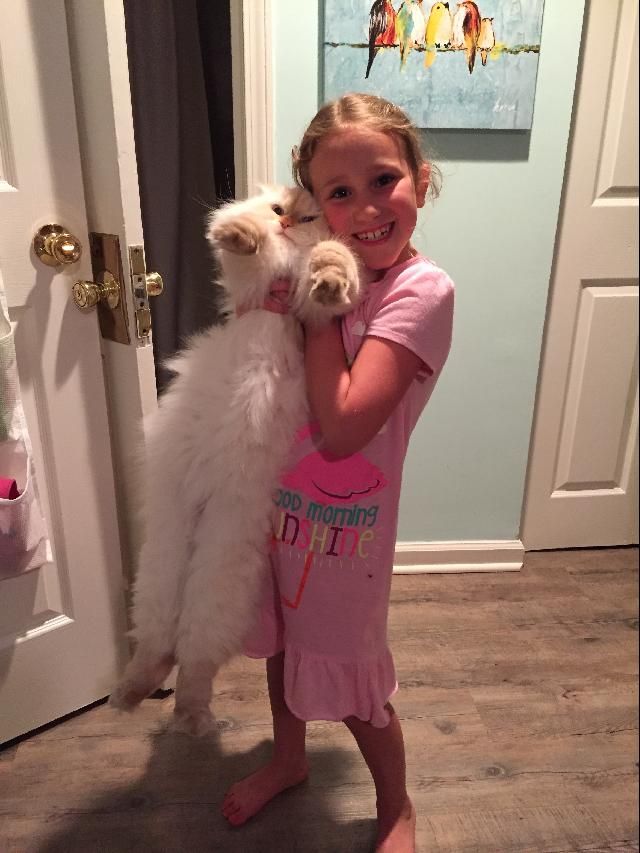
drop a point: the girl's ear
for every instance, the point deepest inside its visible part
(422, 183)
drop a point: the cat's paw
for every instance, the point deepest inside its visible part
(329, 286)
(126, 697)
(333, 275)
(242, 236)
(193, 721)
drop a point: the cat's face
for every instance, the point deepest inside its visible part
(263, 238)
(291, 213)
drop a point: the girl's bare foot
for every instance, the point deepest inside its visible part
(398, 836)
(248, 796)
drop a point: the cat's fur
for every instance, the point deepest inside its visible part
(218, 442)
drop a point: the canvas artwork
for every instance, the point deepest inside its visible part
(448, 65)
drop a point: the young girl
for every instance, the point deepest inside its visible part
(323, 630)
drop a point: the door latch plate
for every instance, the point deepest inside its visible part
(138, 267)
(105, 260)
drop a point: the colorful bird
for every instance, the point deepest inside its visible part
(410, 28)
(438, 33)
(486, 39)
(457, 34)
(470, 31)
(382, 28)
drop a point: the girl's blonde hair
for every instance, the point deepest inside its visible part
(362, 111)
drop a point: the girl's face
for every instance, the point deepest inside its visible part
(368, 193)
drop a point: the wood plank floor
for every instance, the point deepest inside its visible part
(519, 704)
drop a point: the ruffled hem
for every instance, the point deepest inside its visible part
(323, 688)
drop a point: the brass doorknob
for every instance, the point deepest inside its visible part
(55, 246)
(87, 294)
(155, 285)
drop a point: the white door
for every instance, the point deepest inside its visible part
(583, 476)
(62, 625)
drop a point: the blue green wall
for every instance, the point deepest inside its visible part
(493, 229)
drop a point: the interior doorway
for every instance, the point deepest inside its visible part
(180, 75)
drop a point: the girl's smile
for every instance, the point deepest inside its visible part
(376, 236)
(368, 193)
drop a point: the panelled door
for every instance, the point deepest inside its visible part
(64, 79)
(583, 474)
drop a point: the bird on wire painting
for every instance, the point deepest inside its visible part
(425, 57)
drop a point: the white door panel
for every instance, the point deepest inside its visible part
(583, 473)
(62, 625)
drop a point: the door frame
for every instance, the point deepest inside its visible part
(96, 30)
(252, 74)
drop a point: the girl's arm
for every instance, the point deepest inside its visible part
(351, 406)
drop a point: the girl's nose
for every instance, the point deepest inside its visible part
(285, 222)
(366, 212)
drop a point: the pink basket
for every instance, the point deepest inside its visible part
(8, 489)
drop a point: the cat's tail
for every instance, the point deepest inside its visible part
(144, 674)
(157, 599)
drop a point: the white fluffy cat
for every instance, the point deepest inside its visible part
(218, 442)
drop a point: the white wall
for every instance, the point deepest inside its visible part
(493, 230)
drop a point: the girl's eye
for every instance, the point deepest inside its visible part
(339, 192)
(307, 219)
(384, 180)
(279, 211)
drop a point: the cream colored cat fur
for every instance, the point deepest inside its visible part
(217, 444)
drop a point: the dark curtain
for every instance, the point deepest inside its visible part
(180, 75)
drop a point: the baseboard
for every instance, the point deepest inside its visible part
(483, 556)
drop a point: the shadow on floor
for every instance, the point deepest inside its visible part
(175, 806)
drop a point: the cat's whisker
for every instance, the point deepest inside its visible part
(210, 207)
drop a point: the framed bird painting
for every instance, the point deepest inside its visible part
(447, 64)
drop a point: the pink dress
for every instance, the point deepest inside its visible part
(335, 522)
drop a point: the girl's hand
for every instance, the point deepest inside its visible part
(276, 301)
(351, 406)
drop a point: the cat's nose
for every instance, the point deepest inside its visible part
(285, 222)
